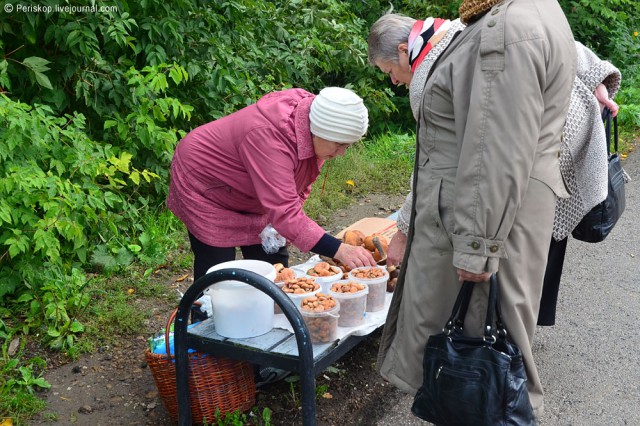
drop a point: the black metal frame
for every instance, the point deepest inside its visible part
(304, 364)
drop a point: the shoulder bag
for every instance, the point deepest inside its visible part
(598, 223)
(473, 380)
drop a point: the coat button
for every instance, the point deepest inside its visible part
(475, 245)
(493, 248)
(491, 23)
(495, 11)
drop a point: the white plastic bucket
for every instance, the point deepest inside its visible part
(239, 309)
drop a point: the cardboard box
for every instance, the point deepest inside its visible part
(370, 225)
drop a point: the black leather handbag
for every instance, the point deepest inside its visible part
(598, 223)
(473, 381)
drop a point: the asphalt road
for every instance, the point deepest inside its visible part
(589, 361)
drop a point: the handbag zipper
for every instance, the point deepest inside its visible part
(457, 373)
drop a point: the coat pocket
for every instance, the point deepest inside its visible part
(430, 202)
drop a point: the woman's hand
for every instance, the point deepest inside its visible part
(397, 246)
(354, 256)
(470, 276)
(602, 95)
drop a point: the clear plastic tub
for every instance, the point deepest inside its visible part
(352, 304)
(280, 284)
(325, 281)
(323, 326)
(377, 285)
(297, 297)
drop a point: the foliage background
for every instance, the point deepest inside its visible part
(94, 103)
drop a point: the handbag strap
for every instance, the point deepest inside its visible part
(500, 329)
(456, 320)
(615, 133)
(491, 308)
(461, 305)
(464, 306)
(607, 118)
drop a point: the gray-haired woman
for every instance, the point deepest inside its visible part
(390, 44)
(407, 50)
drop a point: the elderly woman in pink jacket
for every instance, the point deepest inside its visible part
(233, 177)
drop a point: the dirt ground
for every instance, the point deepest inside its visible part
(115, 387)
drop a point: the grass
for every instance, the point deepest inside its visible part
(18, 400)
(19, 406)
(113, 311)
(380, 165)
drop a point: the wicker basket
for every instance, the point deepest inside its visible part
(214, 383)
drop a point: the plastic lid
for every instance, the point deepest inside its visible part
(261, 267)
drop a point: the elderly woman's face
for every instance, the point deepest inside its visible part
(399, 72)
(326, 150)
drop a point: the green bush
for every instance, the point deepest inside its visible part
(60, 191)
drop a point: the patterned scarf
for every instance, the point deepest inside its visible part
(424, 35)
(471, 8)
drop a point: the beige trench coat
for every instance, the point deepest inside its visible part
(486, 181)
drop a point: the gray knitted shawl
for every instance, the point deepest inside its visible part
(583, 154)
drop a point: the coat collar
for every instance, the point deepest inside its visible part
(304, 139)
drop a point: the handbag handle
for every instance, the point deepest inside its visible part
(455, 324)
(615, 133)
(607, 117)
(456, 320)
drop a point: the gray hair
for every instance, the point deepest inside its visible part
(386, 34)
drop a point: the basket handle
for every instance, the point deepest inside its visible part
(172, 317)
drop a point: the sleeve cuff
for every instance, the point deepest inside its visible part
(327, 246)
(606, 73)
(477, 255)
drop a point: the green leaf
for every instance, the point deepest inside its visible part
(124, 258)
(175, 75)
(5, 212)
(25, 297)
(145, 239)
(51, 331)
(135, 177)
(134, 248)
(111, 199)
(36, 64)
(82, 254)
(40, 382)
(76, 327)
(43, 80)
(122, 163)
(102, 257)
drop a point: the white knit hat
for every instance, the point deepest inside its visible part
(338, 115)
